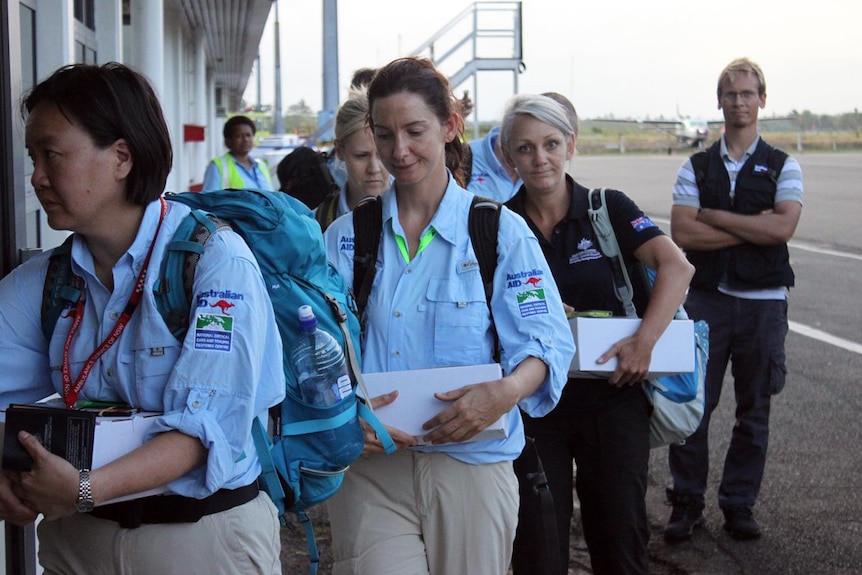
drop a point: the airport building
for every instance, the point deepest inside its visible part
(198, 54)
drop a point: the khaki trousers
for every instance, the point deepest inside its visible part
(240, 541)
(414, 513)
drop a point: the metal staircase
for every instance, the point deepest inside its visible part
(486, 36)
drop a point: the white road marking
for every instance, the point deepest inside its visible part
(817, 334)
(803, 329)
(793, 244)
(824, 251)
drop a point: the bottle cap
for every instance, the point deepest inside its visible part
(307, 321)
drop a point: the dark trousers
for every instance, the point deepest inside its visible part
(750, 335)
(610, 447)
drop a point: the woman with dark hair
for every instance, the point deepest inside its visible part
(101, 155)
(450, 504)
(237, 168)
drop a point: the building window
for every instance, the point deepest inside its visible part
(219, 102)
(84, 54)
(84, 13)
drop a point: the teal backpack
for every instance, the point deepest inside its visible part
(300, 468)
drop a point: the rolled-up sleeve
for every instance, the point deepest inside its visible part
(528, 312)
(229, 370)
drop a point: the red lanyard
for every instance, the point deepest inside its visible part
(70, 392)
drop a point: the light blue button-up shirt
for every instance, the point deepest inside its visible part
(227, 370)
(489, 177)
(432, 311)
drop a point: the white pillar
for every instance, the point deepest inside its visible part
(200, 107)
(147, 52)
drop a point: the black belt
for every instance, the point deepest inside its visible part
(173, 508)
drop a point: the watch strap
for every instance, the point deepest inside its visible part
(85, 493)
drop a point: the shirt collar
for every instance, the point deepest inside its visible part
(443, 221)
(748, 152)
(139, 248)
(577, 199)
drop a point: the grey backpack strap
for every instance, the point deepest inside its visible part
(604, 230)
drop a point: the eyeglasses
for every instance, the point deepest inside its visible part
(745, 95)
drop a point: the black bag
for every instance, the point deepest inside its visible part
(304, 174)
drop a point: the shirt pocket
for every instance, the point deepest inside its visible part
(149, 365)
(461, 321)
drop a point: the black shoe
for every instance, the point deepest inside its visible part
(740, 523)
(686, 515)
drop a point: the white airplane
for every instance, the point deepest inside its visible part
(687, 131)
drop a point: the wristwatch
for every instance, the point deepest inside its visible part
(85, 495)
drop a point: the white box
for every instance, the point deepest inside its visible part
(113, 438)
(673, 353)
(416, 403)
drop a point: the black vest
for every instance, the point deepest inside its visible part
(745, 266)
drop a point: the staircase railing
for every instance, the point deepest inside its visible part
(485, 36)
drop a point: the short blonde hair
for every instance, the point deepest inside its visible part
(742, 66)
(543, 108)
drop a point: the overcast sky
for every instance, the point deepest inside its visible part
(626, 58)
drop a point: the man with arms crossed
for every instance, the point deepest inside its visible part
(735, 207)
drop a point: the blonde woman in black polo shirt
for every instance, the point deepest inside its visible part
(601, 424)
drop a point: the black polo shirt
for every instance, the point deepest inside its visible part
(582, 273)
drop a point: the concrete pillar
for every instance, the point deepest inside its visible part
(199, 111)
(147, 42)
(330, 61)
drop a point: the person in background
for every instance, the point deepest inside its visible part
(734, 218)
(359, 81)
(572, 115)
(237, 168)
(601, 424)
(354, 146)
(361, 78)
(99, 171)
(449, 505)
(490, 176)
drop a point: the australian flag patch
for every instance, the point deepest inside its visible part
(642, 223)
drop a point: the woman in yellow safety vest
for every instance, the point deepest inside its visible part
(237, 168)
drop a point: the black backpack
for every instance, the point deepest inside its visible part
(483, 224)
(304, 174)
(327, 210)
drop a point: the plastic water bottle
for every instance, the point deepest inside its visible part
(321, 368)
